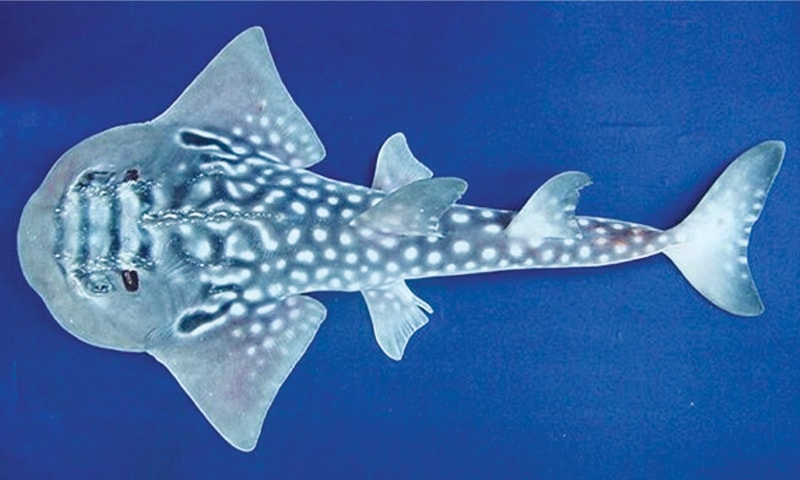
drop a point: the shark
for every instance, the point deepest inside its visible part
(198, 236)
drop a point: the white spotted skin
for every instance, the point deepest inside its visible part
(248, 232)
(274, 231)
(193, 237)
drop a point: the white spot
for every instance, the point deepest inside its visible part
(274, 137)
(323, 212)
(603, 258)
(411, 253)
(237, 333)
(617, 226)
(256, 139)
(351, 258)
(434, 258)
(583, 222)
(600, 231)
(372, 255)
(355, 198)
(237, 131)
(620, 248)
(489, 254)
(584, 251)
(345, 239)
(662, 239)
(487, 213)
(601, 240)
(565, 258)
(298, 208)
(293, 237)
(251, 351)
(253, 294)
(322, 273)
(308, 193)
(392, 267)
(347, 213)
(275, 325)
(461, 246)
(493, 228)
(330, 253)
(320, 235)
(547, 255)
(459, 217)
(299, 276)
(333, 200)
(515, 250)
(202, 249)
(274, 195)
(275, 289)
(256, 328)
(238, 309)
(305, 256)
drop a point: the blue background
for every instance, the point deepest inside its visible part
(620, 372)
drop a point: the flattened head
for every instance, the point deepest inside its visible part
(79, 246)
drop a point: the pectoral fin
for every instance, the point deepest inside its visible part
(233, 369)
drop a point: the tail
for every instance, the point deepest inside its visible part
(710, 246)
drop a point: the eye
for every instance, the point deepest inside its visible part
(131, 280)
(131, 175)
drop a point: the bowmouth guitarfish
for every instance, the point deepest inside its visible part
(196, 237)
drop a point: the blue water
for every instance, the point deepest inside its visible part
(614, 373)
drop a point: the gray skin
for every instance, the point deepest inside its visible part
(194, 236)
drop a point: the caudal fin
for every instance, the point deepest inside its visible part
(710, 246)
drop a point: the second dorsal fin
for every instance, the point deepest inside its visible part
(550, 212)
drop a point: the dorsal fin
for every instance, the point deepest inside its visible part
(240, 96)
(550, 212)
(397, 166)
(414, 209)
